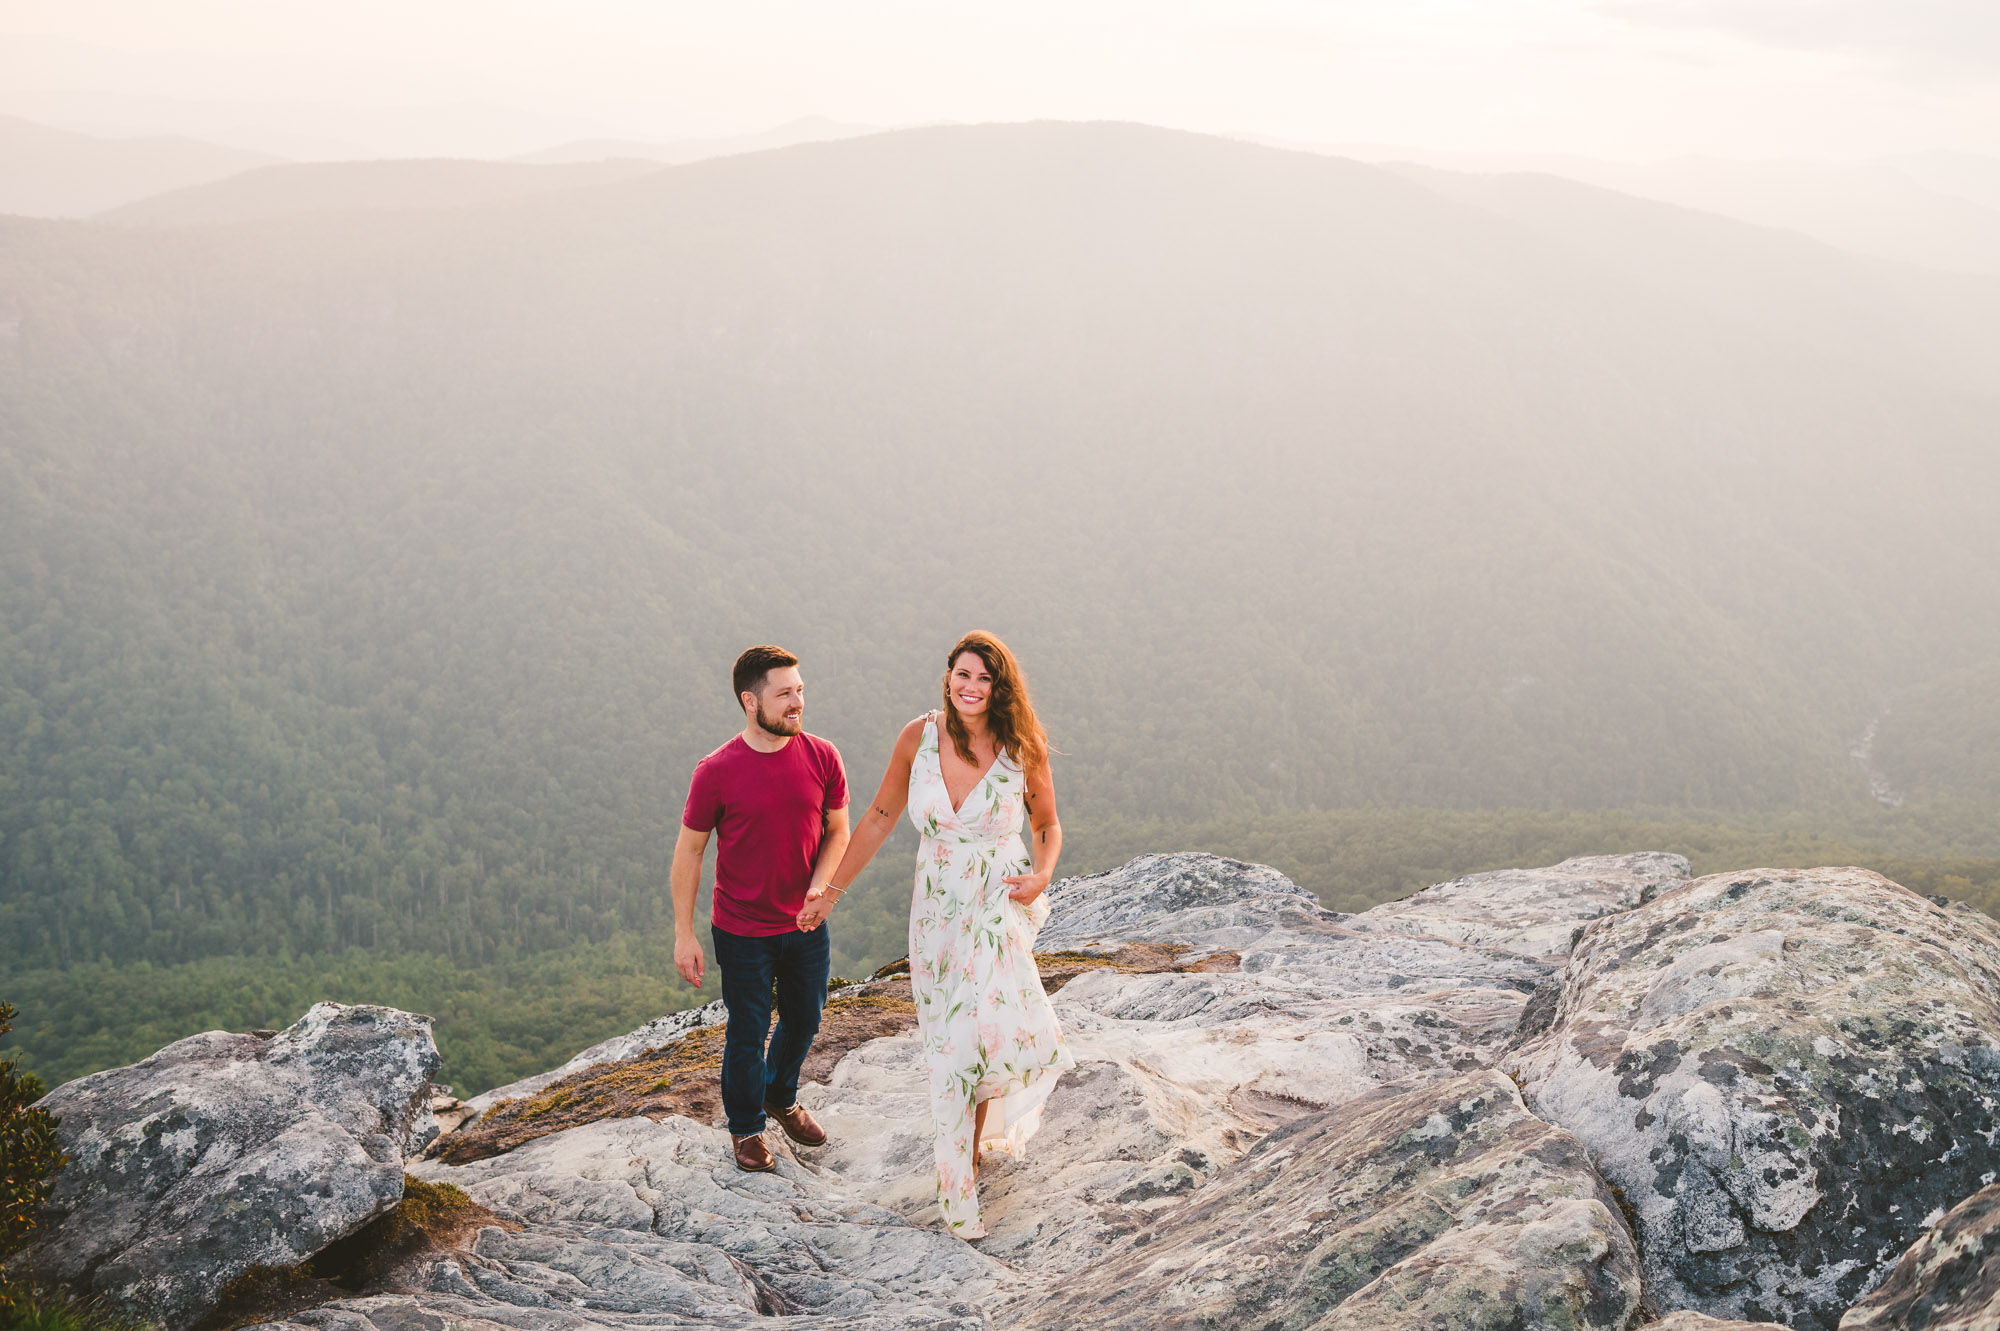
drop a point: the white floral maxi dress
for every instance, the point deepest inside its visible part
(989, 1032)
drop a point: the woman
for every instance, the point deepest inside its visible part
(989, 1033)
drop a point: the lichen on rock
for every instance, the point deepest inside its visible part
(1785, 1072)
(1949, 1280)
(222, 1152)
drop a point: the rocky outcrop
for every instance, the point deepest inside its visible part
(1441, 1204)
(1949, 1280)
(1535, 912)
(1787, 1073)
(1179, 1073)
(222, 1152)
(1280, 1116)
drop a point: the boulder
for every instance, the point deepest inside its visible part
(1440, 1204)
(1949, 1280)
(1531, 911)
(1223, 902)
(1788, 1074)
(223, 1152)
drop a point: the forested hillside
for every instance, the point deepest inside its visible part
(368, 583)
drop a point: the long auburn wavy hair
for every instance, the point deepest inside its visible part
(1009, 712)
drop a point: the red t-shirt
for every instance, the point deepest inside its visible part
(767, 812)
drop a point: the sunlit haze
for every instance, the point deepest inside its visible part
(1393, 441)
(1624, 79)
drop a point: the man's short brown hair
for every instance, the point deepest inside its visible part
(754, 664)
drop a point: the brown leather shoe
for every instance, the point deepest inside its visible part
(753, 1155)
(799, 1125)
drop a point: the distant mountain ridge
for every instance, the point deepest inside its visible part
(47, 172)
(293, 188)
(678, 152)
(1941, 210)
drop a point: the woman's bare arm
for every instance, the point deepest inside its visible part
(1045, 837)
(869, 834)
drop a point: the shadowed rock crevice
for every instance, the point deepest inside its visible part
(394, 1253)
(1949, 1280)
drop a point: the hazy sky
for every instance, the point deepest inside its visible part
(1622, 78)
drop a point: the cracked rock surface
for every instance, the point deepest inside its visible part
(635, 1223)
(1444, 1203)
(223, 1151)
(1281, 1118)
(1788, 1073)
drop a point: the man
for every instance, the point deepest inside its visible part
(776, 799)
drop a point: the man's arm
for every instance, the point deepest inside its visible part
(686, 880)
(832, 845)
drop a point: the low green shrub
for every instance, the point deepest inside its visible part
(37, 1308)
(29, 1159)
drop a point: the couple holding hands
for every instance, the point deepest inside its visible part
(775, 800)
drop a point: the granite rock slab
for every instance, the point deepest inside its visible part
(631, 1223)
(223, 1151)
(1535, 912)
(1444, 1203)
(1788, 1073)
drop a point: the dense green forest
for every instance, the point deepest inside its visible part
(368, 583)
(524, 1013)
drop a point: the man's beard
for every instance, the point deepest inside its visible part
(780, 725)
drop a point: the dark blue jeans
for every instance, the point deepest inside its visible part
(754, 1075)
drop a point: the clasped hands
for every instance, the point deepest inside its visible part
(819, 904)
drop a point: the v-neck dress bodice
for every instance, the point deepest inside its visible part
(989, 1031)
